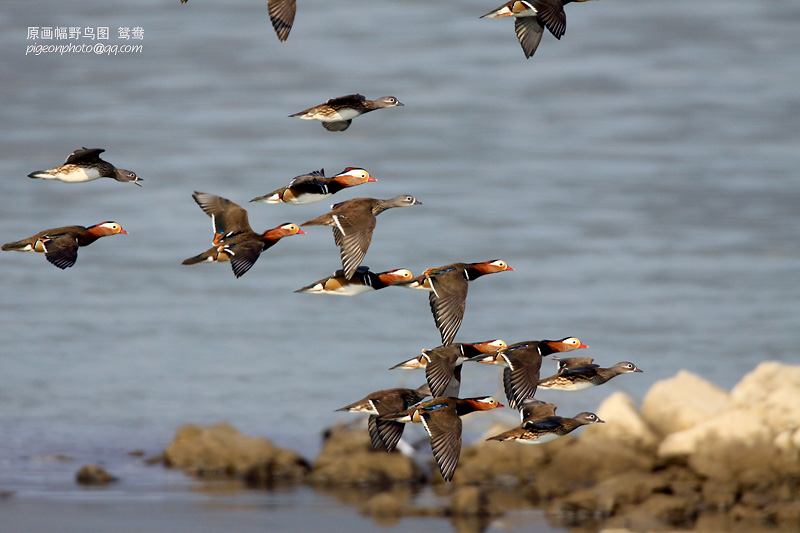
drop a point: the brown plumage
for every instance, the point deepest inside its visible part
(441, 418)
(314, 187)
(522, 362)
(337, 113)
(281, 14)
(234, 239)
(531, 17)
(541, 430)
(60, 245)
(448, 286)
(385, 434)
(443, 364)
(352, 222)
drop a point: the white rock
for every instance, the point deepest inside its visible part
(773, 390)
(681, 402)
(735, 427)
(623, 423)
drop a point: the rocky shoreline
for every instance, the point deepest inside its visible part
(693, 457)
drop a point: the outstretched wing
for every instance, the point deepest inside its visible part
(84, 155)
(529, 32)
(281, 14)
(444, 427)
(61, 250)
(353, 243)
(226, 216)
(448, 303)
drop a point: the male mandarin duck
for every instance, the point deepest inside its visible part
(522, 362)
(281, 14)
(234, 239)
(85, 165)
(362, 281)
(541, 430)
(386, 433)
(580, 377)
(313, 187)
(352, 222)
(337, 113)
(530, 19)
(441, 419)
(443, 364)
(60, 245)
(448, 286)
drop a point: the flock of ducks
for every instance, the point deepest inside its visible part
(352, 223)
(531, 17)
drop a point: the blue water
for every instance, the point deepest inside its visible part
(640, 175)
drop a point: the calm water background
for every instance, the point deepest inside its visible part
(640, 176)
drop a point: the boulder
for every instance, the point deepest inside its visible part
(681, 402)
(347, 458)
(93, 475)
(221, 451)
(624, 424)
(771, 391)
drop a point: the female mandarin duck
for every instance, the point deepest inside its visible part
(441, 418)
(362, 281)
(313, 187)
(352, 222)
(337, 113)
(85, 165)
(281, 14)
(522, 362)
(541, 430)
(386, 434)
(60, 245)
(530, 19)
(448, 291)
(574, 377)
(443, 364)
(234, 239)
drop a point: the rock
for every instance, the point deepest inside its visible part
(469, 501)
(681, 402)
(676, 511)
(385, 507)
(624, 425)
(500, 463)
(93, 475)
(282, 467)
(771, 391)
(732, 428)
(221, 451)
(347, 458)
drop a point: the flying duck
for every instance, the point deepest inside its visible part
(443, 364)
(364, 280)
(337, 113)
(531, 17)
(85, 165)
(522, 362)
(448, 291)
(584, 377)
(234, 239)
(352, 222)
(441, 418)
(546, 429)
(313, 187)
(386, 433)
(60, 245)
